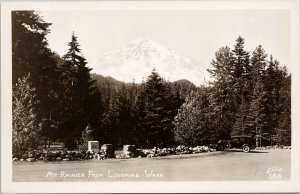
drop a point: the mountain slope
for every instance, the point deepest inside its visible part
(139, 57)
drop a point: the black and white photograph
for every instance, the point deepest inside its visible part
(125, 93)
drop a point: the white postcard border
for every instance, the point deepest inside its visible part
(202, 186)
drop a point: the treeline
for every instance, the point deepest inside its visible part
(57, 98)
(250, 95)
(137, 113)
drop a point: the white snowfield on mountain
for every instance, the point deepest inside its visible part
(138, 58)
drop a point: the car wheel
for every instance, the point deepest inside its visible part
(246, 148)
(227, 146)
(220, 148)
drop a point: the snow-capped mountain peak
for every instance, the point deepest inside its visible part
(137, 59)
(146, 47)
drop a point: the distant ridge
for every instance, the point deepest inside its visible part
(108, 85)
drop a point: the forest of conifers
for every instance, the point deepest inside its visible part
(56, 97)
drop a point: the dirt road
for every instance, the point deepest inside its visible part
(221, 166)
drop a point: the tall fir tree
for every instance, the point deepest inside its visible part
(80, 98)
(257, 117)
(222, 98)
(242, 85)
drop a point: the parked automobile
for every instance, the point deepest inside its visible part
(244, 142)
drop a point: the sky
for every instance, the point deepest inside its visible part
(195, 34)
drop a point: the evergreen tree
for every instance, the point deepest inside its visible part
(26, 126)
(155, 113)
(154, 92)
(242, 67)
(222, 98)
(257, 117)
(126, 119)
(80, 100)
(242, 85)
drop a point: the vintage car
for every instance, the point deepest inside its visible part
(246, 143)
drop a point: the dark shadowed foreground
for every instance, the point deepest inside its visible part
(230, 165)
